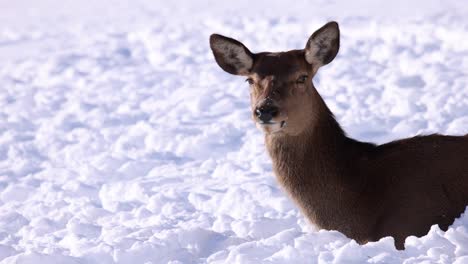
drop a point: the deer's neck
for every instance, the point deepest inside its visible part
(319, 148)
(316, 166)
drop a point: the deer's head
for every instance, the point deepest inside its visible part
(280, 82)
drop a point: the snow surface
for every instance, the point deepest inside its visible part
(122, 141)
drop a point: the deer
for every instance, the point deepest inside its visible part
(363, 190)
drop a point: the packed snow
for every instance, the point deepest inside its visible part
(122, 141)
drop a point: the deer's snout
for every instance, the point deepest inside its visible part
(266, 113)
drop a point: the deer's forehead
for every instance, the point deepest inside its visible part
(280, 64)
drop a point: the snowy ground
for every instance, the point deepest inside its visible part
(121, 140)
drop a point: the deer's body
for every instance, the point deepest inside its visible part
(368, 192)
(365, 191)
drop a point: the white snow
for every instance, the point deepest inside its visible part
(122, 141)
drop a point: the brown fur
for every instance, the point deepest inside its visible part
(365, 191)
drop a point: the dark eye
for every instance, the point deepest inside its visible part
(302, 79)
(250, 81)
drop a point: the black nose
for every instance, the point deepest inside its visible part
(266, 113)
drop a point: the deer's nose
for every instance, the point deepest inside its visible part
(266, 113)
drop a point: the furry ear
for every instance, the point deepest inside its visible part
(231, 55)
(323, 45)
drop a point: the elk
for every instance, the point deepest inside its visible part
(365, 191)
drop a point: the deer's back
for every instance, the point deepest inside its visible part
(423, 181)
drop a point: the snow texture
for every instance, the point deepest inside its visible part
(122, 141)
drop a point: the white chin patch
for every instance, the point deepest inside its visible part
(271, 128)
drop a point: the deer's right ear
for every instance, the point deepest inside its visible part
(231, 55)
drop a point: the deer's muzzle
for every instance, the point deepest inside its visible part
(266, 113)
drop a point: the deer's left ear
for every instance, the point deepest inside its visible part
(231, 55)
(323, 45)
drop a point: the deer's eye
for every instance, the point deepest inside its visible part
(302, 79)
(250, 81)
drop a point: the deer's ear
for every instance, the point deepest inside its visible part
(231, 55)
(323, 45)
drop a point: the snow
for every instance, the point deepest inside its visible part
(121, 140)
